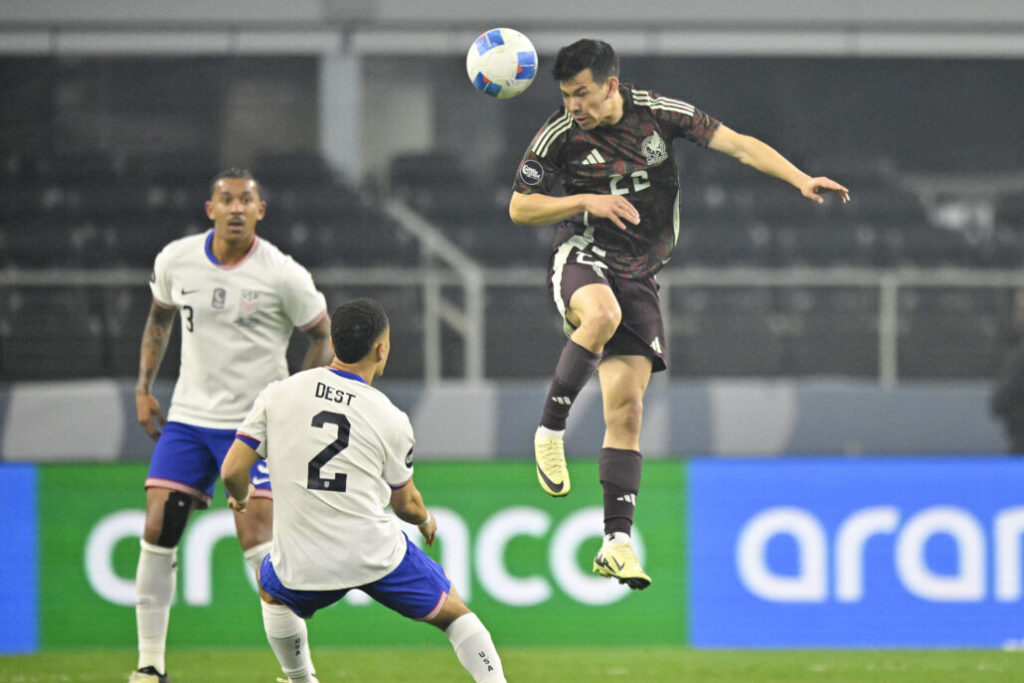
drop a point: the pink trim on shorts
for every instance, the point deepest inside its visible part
(263, 493)
(156, 483)
(437, 608)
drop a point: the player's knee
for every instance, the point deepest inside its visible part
(166, 530)
(603, 321)
(453, 609)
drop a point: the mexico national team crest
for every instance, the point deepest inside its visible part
(250, 302)
(654, 149)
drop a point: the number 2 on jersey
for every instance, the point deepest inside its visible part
(315, 480)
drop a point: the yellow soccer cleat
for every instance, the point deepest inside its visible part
(552, 472)
(619, 562)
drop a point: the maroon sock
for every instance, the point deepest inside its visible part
(619, 471)
(574, 369)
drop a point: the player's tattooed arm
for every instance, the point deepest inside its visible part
(154, 344)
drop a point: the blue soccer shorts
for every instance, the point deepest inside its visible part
(417, 588)
(188, 459)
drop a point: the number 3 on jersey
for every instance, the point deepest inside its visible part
(315, 480)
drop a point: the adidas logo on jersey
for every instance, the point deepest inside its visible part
(562, 400)
(593, 158)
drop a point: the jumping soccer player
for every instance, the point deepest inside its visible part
(611, 145)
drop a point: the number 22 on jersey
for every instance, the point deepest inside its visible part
(639, 178)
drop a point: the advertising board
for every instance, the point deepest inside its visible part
(839, 552)
(521, 559)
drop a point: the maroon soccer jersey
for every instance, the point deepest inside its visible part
(631, 158)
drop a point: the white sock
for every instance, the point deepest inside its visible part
(155, 580)
(615, 538)
(475, 649)
(254, 555)
(286, 633)
(543, 433)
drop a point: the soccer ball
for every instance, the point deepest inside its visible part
(501, 63)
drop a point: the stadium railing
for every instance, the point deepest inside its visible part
(459, 303)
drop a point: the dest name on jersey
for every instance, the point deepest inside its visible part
(332, 394)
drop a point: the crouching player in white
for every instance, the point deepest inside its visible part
(339, 452)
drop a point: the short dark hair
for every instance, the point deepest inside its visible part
(235, 172)
(355, 325)
(596, 55)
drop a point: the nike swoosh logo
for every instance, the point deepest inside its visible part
(186, 292)
(256, 481)
(552, 485)
(603, 561)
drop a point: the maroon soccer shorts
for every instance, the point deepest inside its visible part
(641, 332)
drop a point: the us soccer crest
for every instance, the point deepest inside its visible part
(654, 150)
(250, 302)
(247, 305)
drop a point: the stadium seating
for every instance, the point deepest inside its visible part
(937, 325)
(90, 210)
(831, 331)
(50, 333)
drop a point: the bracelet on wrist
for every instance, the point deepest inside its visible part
(427, 520)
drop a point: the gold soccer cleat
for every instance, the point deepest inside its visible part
(552, 472)
(619, 562)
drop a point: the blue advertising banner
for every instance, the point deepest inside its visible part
(19, 626)
(834, 552)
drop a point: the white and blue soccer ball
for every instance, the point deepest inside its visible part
(501, 63)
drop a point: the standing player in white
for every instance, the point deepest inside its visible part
(339, 452)
(239, 298)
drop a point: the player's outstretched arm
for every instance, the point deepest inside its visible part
(542, 209)
(154, 343)
(752, 152)
(235, 474)
(407, 502)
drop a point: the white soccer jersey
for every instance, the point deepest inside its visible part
(236, 321)
(336, 448)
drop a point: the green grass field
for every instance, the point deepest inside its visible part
(537, 665)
